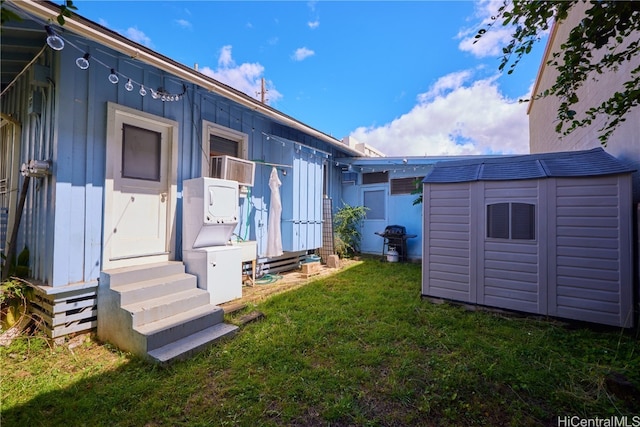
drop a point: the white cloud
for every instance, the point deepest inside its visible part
(225, 60)
(184, 23)
(302, 53)
(313, 24)
(448, 82)
(138, 36)
(491, 43)
(132, 33)
(454, 118)
(246, 77)
(496, 37)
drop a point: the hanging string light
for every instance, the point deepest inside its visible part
(113, 77)
(83, 61)
(58, 43)
(54, 41)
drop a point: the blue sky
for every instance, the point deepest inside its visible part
(403, 77)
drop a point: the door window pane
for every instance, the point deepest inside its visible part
(140, 153)
(375, 202)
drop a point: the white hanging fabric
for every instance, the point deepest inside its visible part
(274, 234)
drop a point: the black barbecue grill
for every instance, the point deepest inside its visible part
(395, 236)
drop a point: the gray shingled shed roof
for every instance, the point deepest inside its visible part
(531, 166)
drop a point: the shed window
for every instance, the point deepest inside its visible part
(511, 221)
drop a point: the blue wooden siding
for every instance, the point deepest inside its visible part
(400, 210)
(63, 219)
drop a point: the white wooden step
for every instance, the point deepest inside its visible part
(188, 345)
(154, 309)
(155, 288)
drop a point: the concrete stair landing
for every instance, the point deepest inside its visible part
(157, 311)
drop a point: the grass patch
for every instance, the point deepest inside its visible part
(357, 348)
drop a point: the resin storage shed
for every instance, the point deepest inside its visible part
(549, 234)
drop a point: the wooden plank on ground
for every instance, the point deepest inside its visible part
(251, 317)
(232, 308)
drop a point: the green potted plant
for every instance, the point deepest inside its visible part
(347, 227)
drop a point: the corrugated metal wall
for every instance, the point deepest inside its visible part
(31, 102)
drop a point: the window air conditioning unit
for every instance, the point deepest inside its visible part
(233, 169)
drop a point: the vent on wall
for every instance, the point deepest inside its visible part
(234, 169)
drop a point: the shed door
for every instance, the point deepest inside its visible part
(374, 198)
(138, 197)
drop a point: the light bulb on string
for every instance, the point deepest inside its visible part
(54, 41)
(143, 91)
(113, 77)
(128, 86)
(154, 94)
(83, 61)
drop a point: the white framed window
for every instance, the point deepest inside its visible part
(222, 141)
(514, 221)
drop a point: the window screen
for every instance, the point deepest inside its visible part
(523, 221)
(511, 221)
(140, 153)
(406, 185)
(375, 177)
(498, 220)
(374, 202)
(219, 146)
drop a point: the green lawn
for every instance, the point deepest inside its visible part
(357, 348)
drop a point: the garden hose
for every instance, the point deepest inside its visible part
(267, 279)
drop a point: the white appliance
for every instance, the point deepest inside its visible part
(210, 215)
(219, 271)
(210, 212)
(234, 169)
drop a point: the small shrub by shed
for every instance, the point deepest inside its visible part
(548, 234)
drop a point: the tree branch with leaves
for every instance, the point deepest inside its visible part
(66, 9)
(607, 37)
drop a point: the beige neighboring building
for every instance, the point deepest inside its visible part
(624, 143)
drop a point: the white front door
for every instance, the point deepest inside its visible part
(139, 188)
